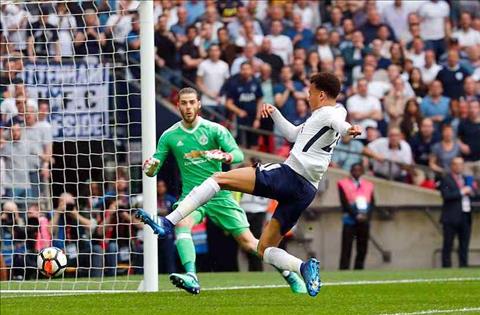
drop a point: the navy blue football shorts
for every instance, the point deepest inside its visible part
(292, 191)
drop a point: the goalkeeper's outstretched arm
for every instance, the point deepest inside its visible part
(152, 165)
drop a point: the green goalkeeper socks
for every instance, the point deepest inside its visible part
(186, 248)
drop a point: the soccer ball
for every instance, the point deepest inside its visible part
(51, 262)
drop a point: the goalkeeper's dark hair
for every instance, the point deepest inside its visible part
(326, 82)
(188, 90)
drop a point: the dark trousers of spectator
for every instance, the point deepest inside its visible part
(256, 221)
(438, 46)
(361, 232)
(24, 266)
(463, 230)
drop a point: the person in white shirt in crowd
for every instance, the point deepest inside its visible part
(417, 53)
(211, 75)
(248, 55)
(118, 27)
(322, 46)
(363, 109)
(45, 130)
(435, 24)
(15, 23)
(304, 8)
(395, 15)
(431, 68)
(247, 34)
(376, 88)
(394, 149)
(67, 26)
(281, 44)
(235, 26)
(211, 16)
(465, 34)
(393, 72)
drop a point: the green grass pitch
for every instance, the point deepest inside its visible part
(439, 291)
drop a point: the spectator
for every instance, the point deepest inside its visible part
(435, 105)
(165, 57)
(416, 82)
(348, 152)
(397, 55)
(453, 76)
(281, 44)
(301, 112)
(357, 200)
(235, 26)
(355, 53)
(395, 15)
(244, 98)
(458, 112)
(17, 166)
(434, 24)
(287, 92)
(372, 25)
(396, 150)
(180, 28)
(312, 63)
(465, 34)
(71, 232)
(211, 75)
(247, 34)
(118, 26)
(431, 68)
(66, 24)
(322, 45)
(298, 34)
(305, 10)
(166, 246)
(363, 109)
(195, 9)
(43, 38)
(417, 53)
(229, 50)
(204, 39)
(470, 90)
(469, 133)
(423, 142)
(335, 24)
(190, 56)
(15, 21)
(457, 190)
(444, 151)
(248, 55)
(272, 59)
(90, 40)
(211, 16)
(395, 102)
(268, 85)
(411, 121)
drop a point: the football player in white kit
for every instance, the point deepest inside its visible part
(293, 183)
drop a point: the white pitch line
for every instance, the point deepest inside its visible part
(246, 287)
(458, 310)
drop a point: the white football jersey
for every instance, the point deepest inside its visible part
(318, 136)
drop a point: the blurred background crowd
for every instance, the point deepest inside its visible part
(410, 72)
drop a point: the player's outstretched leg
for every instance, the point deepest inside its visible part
(160, 225)
(309, 270)
(249, 244)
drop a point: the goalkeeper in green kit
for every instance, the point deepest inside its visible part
(200, 147)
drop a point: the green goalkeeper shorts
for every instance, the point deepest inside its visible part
(225, 212)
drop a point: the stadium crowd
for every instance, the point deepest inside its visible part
(410, 72)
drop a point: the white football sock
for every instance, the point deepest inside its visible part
(281, 259)
(199, 196)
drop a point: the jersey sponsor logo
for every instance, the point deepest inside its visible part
(179, 143)
(203, 140)
(247, 97)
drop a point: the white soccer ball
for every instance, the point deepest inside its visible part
(51, 261)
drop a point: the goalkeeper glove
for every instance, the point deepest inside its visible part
(218, 155)
(150, 166)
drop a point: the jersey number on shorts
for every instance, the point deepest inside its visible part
(317, 136)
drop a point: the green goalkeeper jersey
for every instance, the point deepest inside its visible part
(186, 143)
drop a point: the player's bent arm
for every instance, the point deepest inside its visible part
(288, 130)
(227, 144)
(152, 165)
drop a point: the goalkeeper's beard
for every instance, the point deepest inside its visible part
(188, 118)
